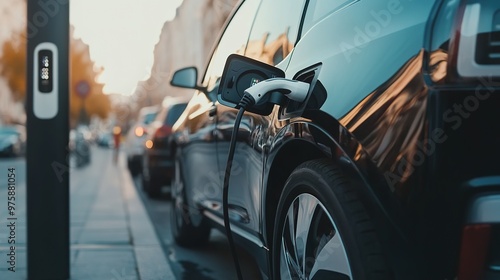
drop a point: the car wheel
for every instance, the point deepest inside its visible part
(323, 230)
(134, 167)
(145, 182)
(154, 186)
(145, 173)
(185, 232)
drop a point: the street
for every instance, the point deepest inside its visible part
(213, 261)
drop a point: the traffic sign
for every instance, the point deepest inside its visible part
(82, 88)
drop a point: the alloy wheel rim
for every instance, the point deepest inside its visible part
(311, 246)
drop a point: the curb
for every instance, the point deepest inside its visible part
(150, 258)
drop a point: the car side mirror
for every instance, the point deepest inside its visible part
(240, 73)
(186, 78)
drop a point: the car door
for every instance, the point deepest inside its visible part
(272, 39)
(205, 175)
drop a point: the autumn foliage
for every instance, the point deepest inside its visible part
(84, 70)
(13, 68)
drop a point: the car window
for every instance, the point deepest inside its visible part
(275, 30)
(174, 113)
(148, 118)
(233, 41)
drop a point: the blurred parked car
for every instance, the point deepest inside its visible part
(105, 139)
(12, 140)
(157, 157)
(136, 137)
(388, 169)
(79, 144)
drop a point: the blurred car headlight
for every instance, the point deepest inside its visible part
(139, 131)
(149, 144)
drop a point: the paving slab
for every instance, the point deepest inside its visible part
(112, 236)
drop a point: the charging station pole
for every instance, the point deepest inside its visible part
(47, 170)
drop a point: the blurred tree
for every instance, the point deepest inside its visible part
(83, 70)
(98, 105)
(13, 65)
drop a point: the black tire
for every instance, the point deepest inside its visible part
(145, 183)
(144, 173)
(340, 240)
(185, 231)
(154, 187)
(134, 167)
(150, 185)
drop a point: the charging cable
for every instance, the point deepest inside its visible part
(292, 89)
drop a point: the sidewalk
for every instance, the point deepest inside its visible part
(112, 236)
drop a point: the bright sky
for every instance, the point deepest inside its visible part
(121, 35)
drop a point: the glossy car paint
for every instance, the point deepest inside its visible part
(380, 113)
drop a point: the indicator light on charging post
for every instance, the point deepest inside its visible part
(45, 70)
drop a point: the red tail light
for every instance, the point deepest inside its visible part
(163, 131)
(474, 251)
(480, 246)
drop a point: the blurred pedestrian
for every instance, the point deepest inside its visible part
(117, 132)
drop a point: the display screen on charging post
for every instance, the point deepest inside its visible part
(45, 76)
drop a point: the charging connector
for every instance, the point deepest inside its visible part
(292, 89)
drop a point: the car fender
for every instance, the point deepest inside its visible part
(318, 135)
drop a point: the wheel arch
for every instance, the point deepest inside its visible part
(325, 143)
(287, 154)
(281, 167)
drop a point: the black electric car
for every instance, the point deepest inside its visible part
(389, 169)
